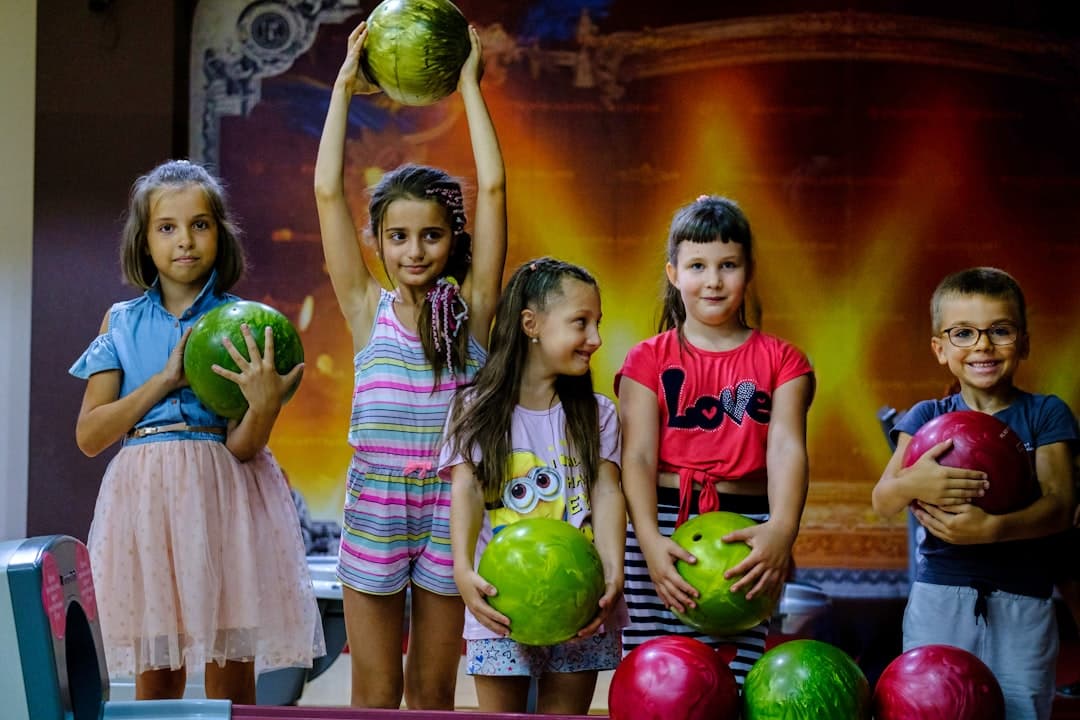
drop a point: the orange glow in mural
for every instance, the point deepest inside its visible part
(865, 180)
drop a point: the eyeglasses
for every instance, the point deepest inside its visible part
(963, 336)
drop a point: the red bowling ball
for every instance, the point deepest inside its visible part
(938, 682)
(673, 678)
(981, 442)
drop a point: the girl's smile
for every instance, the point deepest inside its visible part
(711, 279)
(415, 241)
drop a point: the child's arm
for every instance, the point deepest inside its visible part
(263, 388)
(466, 517)
(357, 292)
(105, 417)
(609, 531)
(1051, 513)
(481, 286)
(924, 480)
(765, 569)
(641, 438)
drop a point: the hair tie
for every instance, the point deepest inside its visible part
(532, 267)
(448, 313)
(702, 198)
(450, 196)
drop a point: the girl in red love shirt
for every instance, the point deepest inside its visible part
(714, 418)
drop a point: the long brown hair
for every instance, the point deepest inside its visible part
(482, 413)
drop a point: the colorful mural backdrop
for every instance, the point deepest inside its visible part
(873, 154)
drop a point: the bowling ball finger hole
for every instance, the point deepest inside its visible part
(697, 537)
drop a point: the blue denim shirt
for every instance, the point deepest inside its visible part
(140, 337)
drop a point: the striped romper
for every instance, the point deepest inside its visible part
(397, 510)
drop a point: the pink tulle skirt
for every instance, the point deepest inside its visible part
(198, 558)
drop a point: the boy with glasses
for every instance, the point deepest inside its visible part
(986, 581)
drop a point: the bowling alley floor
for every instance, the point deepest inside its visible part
(332, 688)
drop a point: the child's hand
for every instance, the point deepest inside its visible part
(475, 591)
(351, 76)
(942, 485)
(473, 69)
(959, 525)
(173, 372)
(660, 556)
(765, 570)
(258, 378)
(612, 593)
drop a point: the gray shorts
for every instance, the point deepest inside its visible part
(503, 657)
(1018, 640)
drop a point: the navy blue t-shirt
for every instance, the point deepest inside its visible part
(1023, 567)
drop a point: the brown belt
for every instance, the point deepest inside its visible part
(175, 427)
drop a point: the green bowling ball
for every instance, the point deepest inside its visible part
(415, 49)
(806, 680)
(548, 579)
(205, 348)
(719, 611)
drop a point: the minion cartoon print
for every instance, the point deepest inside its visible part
(533, 489)
(539, 489)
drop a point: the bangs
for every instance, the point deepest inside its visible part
(707, 226)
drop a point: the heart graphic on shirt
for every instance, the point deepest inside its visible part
(728, 401)
(735, 404)
(740, 401)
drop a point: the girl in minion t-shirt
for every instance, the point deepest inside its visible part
(531, 439)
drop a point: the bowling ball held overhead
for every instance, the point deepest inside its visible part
(415, 49)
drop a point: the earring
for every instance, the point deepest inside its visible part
(535, 339)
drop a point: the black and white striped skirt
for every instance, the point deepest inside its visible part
(649, 618)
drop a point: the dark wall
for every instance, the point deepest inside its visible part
(107, 89)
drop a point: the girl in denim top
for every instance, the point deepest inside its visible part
(195, 542)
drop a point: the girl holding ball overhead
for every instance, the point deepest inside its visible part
(414, 345)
